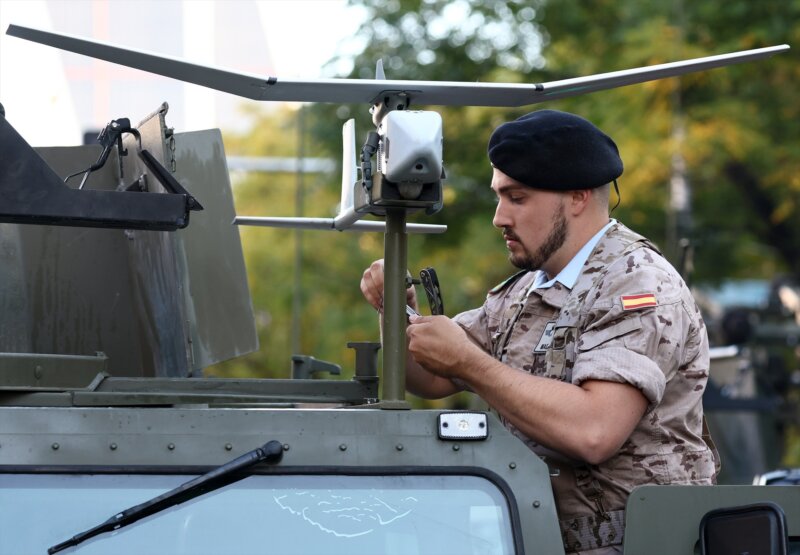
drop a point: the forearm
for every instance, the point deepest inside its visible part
(545, 410)
(425, 384)
(588, 422)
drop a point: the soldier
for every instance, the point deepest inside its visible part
(595, 354)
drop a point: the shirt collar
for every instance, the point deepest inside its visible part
(569, 275)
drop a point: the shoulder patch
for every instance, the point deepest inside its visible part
(508, 281)
(633, 302)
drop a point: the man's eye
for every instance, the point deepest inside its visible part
(516, 200)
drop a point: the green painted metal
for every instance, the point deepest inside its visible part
(221, 317)
(394, 310)
(194, 301)
(33, 371)
(72, 295)
(103, 390)
(76, 291)
(664, 520)
(324, 441)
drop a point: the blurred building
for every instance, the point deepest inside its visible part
(52, 97)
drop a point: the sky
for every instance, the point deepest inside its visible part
(286, 39)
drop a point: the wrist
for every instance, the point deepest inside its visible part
(470, 362)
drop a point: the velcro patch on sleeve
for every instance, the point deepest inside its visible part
(633, 302)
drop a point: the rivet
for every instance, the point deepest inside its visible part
(537, 504)
(399, 446)
(37, 372)
(285, 446)
(228, 446)
(445, 424)
(171, 446)
(113, 446)
(481, 425)
(343, 447)
(456, 447)
(512, 465)
(55, 446)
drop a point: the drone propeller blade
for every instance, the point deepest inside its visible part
(368, 90)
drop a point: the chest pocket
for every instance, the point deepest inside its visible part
(596, 337)
(560, 357)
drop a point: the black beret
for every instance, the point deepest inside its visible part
(555, 150)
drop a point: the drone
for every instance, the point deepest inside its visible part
(407, 143)
(399, 169)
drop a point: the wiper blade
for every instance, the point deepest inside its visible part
(230, 472)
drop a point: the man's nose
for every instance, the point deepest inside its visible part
(500, 219)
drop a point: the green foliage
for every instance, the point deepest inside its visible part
(326, 272)
(739, 143)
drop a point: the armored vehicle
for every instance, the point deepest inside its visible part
(113, 301)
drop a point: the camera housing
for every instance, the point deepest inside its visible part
(409, 168)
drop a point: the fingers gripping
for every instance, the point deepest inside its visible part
(372, 282)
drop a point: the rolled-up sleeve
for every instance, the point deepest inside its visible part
(616, 363)
(639, 347)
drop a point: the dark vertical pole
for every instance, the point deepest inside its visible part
(394, 310)
(679, 215)
(297, 296)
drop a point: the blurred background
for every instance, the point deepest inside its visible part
(712, 160)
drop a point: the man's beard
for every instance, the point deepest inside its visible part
(554, 241)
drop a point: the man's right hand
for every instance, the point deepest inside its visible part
(372, 287)
(418, 380)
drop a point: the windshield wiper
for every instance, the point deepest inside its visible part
(230, 472)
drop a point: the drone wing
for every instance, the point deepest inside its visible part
(441, 93)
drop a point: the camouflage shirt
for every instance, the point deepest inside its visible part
(629, 318)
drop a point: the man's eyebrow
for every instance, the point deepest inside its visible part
(508, 188)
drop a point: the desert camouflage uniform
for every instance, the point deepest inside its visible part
(596, 332)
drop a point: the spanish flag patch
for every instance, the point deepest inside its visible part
(632, 302)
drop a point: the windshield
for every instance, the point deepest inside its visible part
(264, 514)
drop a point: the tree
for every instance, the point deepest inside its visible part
(740, 144)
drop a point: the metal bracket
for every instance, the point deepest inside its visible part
(34, 194)
(304, 367)
(386, 102)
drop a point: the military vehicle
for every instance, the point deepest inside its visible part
(751, 402)
(113, 302)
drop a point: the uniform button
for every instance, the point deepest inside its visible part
(577, 546)
(574, 525)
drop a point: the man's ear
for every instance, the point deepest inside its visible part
(579, 200)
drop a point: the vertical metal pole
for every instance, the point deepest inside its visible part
(297, 294)
(394, 310)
